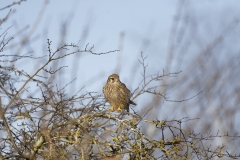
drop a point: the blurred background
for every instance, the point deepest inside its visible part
(200, 39)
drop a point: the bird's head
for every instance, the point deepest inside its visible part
(113, 78)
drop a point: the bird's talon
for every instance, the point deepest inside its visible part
(111, 109)
(119, 110)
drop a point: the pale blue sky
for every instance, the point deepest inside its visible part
(106, 20)
(146, 26)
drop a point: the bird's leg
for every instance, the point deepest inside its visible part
(111, 109)
(119, 109)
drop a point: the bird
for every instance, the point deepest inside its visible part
(117, 94)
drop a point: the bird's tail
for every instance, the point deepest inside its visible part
(131, 102)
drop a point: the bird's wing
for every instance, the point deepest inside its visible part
(127, 91)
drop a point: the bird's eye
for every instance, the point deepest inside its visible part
(112, 78)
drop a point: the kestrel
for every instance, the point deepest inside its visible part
(117, 94)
